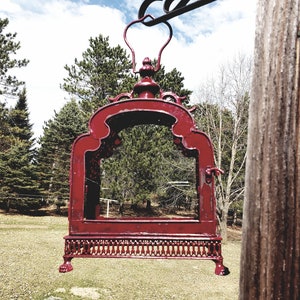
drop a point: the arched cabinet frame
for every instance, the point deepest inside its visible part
(143, 237)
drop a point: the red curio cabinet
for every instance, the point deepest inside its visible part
(92, 234)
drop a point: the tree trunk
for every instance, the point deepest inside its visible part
(271, 228)
(7, 206)
(223, 227)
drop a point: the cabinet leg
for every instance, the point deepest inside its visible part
(66, 266)
(220, 268)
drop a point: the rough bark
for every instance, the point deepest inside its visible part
(271, 226)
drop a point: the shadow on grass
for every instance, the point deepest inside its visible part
(42, 212)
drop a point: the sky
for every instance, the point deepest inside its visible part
(52, 33)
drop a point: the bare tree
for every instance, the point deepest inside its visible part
(223, 115)
(270, 257)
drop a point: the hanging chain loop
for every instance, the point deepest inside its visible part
(142, 20)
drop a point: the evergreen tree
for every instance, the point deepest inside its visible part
(147, 158)
(103, 71)
(18, 170)
(5, 144)
(10, 145)
(142, 167)
(53, 157)
(19, 120)
(134, 171)
(172, 81)
(5, 136)
(9, 85)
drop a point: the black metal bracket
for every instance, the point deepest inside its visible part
(182, 7)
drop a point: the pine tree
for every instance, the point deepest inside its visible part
(103, 71)
(147, 158)
(142, 167)
(19, 120)
(134, 171)
(172, 81)
(5, 144)
(20, 182)
(9, 85)
(53, 157)
(4, 128)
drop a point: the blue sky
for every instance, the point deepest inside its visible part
(55, 32)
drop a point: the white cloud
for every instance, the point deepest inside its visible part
(51, 36)
(221, 32)
(54, 32)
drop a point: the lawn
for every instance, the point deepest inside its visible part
(31, 252)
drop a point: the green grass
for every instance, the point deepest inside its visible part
(31, 252)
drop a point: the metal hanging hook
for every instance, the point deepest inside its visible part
(141, 20)
(180, 8)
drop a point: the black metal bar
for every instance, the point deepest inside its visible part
(181, 8)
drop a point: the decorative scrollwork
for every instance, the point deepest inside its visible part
(172, 96)
(182, 7)
(121, 96)
(199, 248)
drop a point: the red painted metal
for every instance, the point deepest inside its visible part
(92, 235)
(141, 20)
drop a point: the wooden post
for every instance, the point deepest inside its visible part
(270, 261)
